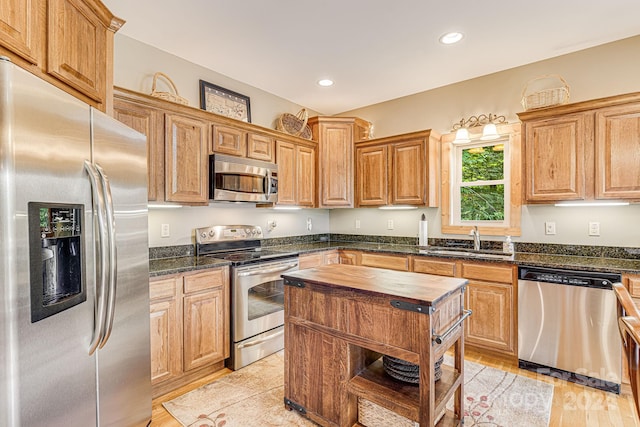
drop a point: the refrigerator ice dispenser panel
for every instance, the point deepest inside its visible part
(56, 256)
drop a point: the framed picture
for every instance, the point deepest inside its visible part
(225, 102)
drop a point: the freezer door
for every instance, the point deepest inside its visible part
(51, 376)
(124, 360)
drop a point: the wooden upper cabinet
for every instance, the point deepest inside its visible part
(20, 21)
(186, 159)
(372, 179)
(555, 158)
(336, 136)
(229, 140)
(296, 174)
(409, 178)
(148, 121)
(398, 170)
(583, 151)
(618, 152)
(260, 147)
(66, 42)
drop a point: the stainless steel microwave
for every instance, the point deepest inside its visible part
(237, 179)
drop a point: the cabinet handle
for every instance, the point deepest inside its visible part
(439, 338)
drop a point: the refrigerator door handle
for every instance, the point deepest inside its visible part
(113, 262)
(102, 247)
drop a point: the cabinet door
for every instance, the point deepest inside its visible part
(149, 122)
(228, 140)
(19, 24)
(286, 161)
(409, 178)
(260, 147)
(77, 47)
(305, 177)
(372, 178)
(186, 159)
(555, 158)
(617, 151)
(336, 165)
(204, 326)
(166, 327)
(490, 325)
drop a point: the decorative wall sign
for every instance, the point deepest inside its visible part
(225, 102)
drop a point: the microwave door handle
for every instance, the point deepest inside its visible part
(267, 184)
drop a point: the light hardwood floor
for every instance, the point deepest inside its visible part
(573, 405)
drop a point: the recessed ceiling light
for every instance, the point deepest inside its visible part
(451, 38)
(325, 82)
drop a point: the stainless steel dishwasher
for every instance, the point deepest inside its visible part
(568, 327)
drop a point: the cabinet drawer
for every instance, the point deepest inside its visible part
(206, 280)
(489, 273)
(391, 262)
(163, 288)
(428, 266)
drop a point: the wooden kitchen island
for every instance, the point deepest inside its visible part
(339, 321)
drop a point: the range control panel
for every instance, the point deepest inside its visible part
(221, 233)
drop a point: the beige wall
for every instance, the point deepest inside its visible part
(136, 63)
(597, 72)
(606, 70)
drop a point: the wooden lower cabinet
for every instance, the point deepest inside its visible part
(317, 259)
(490, 295)
(166, 330)
(190, 330)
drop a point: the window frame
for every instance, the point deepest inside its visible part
(513, 159)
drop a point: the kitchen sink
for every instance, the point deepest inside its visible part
(467, 253)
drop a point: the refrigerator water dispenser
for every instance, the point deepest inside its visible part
(56, 255)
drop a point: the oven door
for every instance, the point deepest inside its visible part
(257, 297)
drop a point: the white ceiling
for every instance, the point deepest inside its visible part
(374, 50)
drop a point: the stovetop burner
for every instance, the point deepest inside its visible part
(239, 244)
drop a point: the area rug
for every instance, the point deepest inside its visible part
(253, 396)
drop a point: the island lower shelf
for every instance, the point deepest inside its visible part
(340, 320)
(374, 385)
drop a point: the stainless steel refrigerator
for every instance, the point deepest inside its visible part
(74, 298)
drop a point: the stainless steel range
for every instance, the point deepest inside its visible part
(257, 289)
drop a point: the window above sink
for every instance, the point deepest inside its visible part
(481, 183)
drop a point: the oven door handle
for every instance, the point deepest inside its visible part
(267, 271)
(261, 340)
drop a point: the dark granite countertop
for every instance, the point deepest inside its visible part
(165, 266)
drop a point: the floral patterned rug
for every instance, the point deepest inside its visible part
(253, 396)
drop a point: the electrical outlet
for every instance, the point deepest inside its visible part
(549, 228)
(164, 230)
(357, 223)
(309, 224)
(390, 224)
(594, 228)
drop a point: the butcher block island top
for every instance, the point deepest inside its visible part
(339, 322)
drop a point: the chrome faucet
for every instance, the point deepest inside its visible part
(476, 237)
